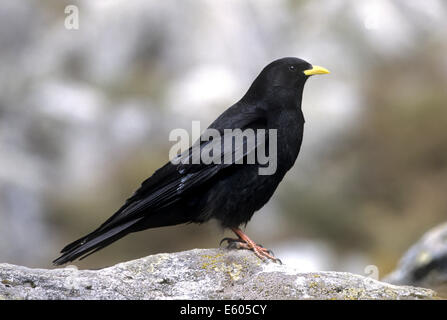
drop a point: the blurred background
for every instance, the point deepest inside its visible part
(85, 117)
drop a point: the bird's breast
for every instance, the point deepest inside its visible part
(289, 126)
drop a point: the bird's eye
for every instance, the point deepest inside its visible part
(292, 68)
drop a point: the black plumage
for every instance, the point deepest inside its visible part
(229, 192)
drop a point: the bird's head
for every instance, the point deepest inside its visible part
(286, 73)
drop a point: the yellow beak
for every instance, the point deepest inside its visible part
(316, 70)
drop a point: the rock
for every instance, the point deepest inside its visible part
(425, 263)
(195, 274)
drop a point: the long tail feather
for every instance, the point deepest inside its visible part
(93, 242)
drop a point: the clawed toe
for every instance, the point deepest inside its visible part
(230, 241)
(264, 253)
(243, 242)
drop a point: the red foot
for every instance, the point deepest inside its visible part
(244, 242)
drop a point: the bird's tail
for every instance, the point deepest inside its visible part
(93, 242)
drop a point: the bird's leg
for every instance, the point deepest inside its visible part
(244, 242)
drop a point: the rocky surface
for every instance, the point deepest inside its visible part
(196, 274)
(425, 263)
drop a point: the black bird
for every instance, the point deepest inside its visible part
(230, 192)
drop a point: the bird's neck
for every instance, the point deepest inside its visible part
(275, 96)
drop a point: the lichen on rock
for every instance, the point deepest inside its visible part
(196, 274)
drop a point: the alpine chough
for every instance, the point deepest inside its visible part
(230, 191)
